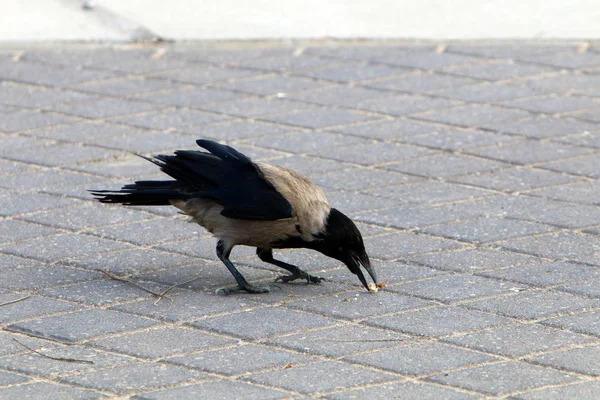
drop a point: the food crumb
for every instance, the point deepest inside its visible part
(381, 285)
(372, 288)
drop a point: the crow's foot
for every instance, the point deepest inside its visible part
(300, 275)
(245, 288)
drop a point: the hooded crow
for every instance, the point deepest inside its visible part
(242, 202)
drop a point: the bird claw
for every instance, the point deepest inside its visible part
(303, 275)
(248, 289)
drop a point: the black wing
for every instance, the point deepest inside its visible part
(242, 188)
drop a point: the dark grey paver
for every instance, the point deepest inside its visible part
(392, 130)
(565, 59)
(432, 60)
(203, 74)
(81, 326)
(241, 359)
(320, 377)
(553, 104)
(352, 72)
(320, 118)
(439, 321)
(373, 153)
(510, 50)
(343, 340)
(421, 359)
(406, 244)
(145, 232)
(40, 276)
(251, 324)
(581, 192)
(546, 127)
(125, 87)
(61, 155)
(352, 202)
(14, 230)
(471, 116)
(306, 142)
(528, 152)
(50, 391)
(502, 378)
(445, 166)
(30, 306)
(272, 85)
(403, 390)
(546, 274)
(519, 340)
(362, 179)
(473, 259)
(338, 96)
(516, 179)
(584, 360)
(135, 377)
(8, 378)
(189, 97)
(421, 83)
(430, 192)
(499, 70)
(181, 120)
(588, 287)
(492, 93)
(232, 390)
(390, 273)
(585, 322)
(586, 165)
(404, 104)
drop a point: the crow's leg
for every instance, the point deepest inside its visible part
(223, 252)
(266, 255)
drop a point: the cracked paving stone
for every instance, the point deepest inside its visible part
(162, 342)
(438, 321)
(251, 324)
(403, 390)
(341, 341)
(320, 377)
(533, 305)
(81, 325)
(246, 358)
(135, 377)
(519, 340)
(49, 391)
(352, 305)
(421, 359)
(498, 379)
(30, 307)
(232, 390)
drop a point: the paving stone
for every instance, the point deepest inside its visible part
(588, 288)
(421, 359)
(306, 142)
(564, 59)
(241, 359)
(498, 70)
(343, 340)
(320, 377)
(162, 342)
(34, 364)
(272, 85)
(190, 97)
(90, 132)
(49, 391)
(126, 87)
(432, 60)
(471, 116)
(185, 305)
(392, 130)
(487, 229)
(145, 232)
(430, 192)
(406, 244)
(286, 63)
(37, 97)
(530, 151)
(421, 83)
(438, 321)
(182, 120)
(352, 72)
(320, 118)
(58, 182)
(25, 120)
(553, 104)
(353, 305)
(232, 390)
(203, 74)
(587, 165)
(583, 192)
(547, 273)
(583, 360)
(104, 108)
(135, 377)
(584, 390)
(519, 340)
(80, 326)
(404, 104)
(362, 179)
(403, 390)
(388, 272)
(366, 52)
(41, 276)
(204, 247)
(193, 54)
(587, 322)
(15, 230)
(150, 143)
(533, 305)
(446, 165)
(453, 288)
(497, 379)
(458, 140)
(565, 82)
(132, 261)
(352, 203)
(374, 153)
(28, 72)
(7, 378)
(516, 179)
(510, 50)
(492, 92)
(564, 245)
(471, 260)
(338, 96)
(256, 107)
(546, 127)
(8, 262)
(61, 155)
(14, 203)
(250, 325)
(61, 246)
(30, 307)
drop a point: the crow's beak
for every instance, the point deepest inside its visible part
(363, 260)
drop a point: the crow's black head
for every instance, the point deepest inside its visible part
(342, 240)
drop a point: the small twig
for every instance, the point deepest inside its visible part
(71, 360)
(118, 278)
(14, 301)
(167, 290)
(364, 341)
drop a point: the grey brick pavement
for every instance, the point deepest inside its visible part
(472, 169)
